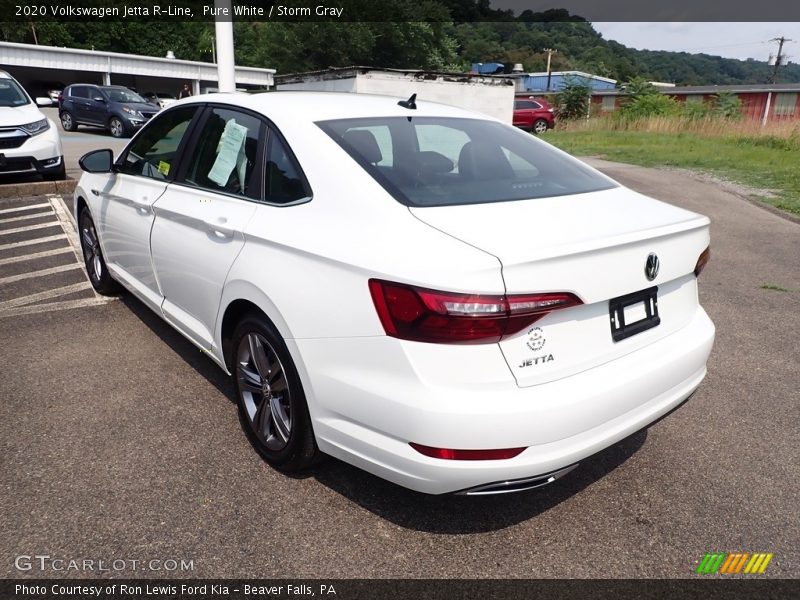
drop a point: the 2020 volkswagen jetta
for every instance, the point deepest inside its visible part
(424, 292)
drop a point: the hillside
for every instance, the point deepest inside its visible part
(443, 34)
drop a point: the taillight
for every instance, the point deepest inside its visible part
(705, 256)
(423, 315)
(450, 454)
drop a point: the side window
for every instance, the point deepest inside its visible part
(285, 182)
(225, 156)
(153, 153)
(79, 91)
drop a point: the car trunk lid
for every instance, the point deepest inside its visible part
(595, 246)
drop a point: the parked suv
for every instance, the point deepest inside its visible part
(113, 107)
(29, 141)
(533, 115)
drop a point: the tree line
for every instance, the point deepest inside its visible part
(433, 34)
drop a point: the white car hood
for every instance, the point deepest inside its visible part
(11, 116)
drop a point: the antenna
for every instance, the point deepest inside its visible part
(411, 103)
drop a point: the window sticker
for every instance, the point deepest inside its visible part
(230, 155)
(163, 168)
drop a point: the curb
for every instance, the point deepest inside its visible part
(37, 188)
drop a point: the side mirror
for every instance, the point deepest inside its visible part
(42, 101)
(97, 161)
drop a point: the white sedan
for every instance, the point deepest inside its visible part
(421, 291)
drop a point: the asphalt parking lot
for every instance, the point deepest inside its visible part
(118, 439)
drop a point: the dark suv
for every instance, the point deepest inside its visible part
(113, 107)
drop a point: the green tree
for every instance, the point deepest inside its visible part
(573, 100)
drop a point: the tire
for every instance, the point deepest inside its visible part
(67, 121)
(116, 127)
(539, 126)
(99, 276)
(272, 405)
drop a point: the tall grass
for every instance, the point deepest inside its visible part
(780, 135)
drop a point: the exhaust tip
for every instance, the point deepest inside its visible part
(516, 485)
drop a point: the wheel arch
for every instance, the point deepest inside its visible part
(239, 299)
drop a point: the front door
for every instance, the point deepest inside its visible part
(126, 208)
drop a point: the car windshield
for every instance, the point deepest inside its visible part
(122, 95)
(438, 161)
(11, 94)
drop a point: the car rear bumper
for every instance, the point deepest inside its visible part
(369, 398)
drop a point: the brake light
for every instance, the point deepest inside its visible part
(450, 454)
(705, 256)
(423, 315)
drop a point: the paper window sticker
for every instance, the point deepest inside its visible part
(163, 168)
(230, 145)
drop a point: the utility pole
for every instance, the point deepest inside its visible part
(223, 29)
(778, 59)
(550, 53)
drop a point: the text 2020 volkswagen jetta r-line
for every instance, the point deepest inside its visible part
(424, 292)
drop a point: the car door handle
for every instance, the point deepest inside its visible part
(219, 231)
(142, 206)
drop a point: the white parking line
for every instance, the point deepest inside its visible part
(37, 215)
(34, 256)
(40, 273)
(27, 228)
(46, 295)
(49, 238)
(21, 208)
(49, 307)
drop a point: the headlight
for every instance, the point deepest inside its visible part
(133, 113)
(36, 127)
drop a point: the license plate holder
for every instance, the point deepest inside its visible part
(619, 308)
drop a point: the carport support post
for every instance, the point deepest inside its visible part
(223, 26)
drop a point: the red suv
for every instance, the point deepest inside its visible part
(533, 115)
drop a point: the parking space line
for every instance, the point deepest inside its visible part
(49, 238)
(21, 208)
(46, 295)
(49, 307)
(34, 256)
(37, 215)
(27, 228)
(41, 273)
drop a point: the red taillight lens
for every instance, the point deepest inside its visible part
(423, 315)
(705, 256)
(450, 454)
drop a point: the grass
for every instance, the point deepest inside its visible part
(777, 288)
(743, 152)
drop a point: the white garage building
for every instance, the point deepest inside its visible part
(38, 68)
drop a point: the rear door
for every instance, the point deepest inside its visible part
(198, 228)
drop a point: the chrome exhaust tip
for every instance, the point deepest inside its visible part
(516, 485)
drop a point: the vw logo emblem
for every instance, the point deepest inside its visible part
(651, 266)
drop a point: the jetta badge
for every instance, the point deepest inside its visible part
(651, 266)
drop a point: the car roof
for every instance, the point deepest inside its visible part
(323, 106)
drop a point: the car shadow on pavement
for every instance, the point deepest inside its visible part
(181, 346)
(413, 510)
(454, 514)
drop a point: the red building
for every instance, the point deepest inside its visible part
(766, 102)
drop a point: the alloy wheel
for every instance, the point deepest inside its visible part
(91, 250)
(117, 128)
(264, 390)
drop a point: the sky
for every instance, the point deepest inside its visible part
(731, 40)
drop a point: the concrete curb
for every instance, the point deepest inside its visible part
(37, 188)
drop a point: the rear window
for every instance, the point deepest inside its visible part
(435, 161)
